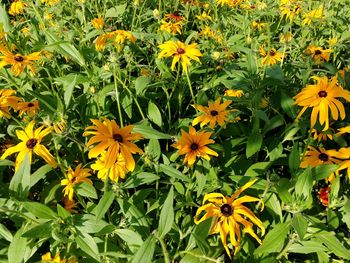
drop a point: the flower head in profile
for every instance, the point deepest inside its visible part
(271, 57)
(171, 27)
(17, 61)
(313, 15)
(74, 177)
(323, 195)
(204, 17)
(118, 38)
(286, 37)
(215, 113)
(194, 144)
(236, 93)
(17, 7)
(323, 135)
(114, 172)
(322, 97)
(57, 259)
(31, 143)
(114, 140)
(230, 215)
(8, 101)
(180, 52)
(258, 25)
(29, 108)
(49, 2)
(98, 23)
(319, 54)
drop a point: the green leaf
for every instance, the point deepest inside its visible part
(324, 170)
(88, 245)
(307, 247)
(64, 48)
(166, 215)
(254, 144)
(154, 114)
(303, 186)
(39, 231)
(5, 233)
(88, 224)
(274, 240)
(257, 169)
(40, 173)
(20, 182)
(282, 189)
(172, 172)
(333, 244)
(294, 159)
(300, 224)
(287, 105)
(4, 20)
(140, 179)
(40, 210)
(132, 239)
(141, 84)
(104, 204)
(116, 11)
(19, 248)
(146, 251)
(148, 132)
(68, 91)
(6, 163)
(63, 213)
(85, 189)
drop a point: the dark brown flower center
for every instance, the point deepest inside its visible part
(322, 94)
(226, 210)
(118, 137)
(272, 53)
(180, 51)
(194, 146)
(30, 104)
(31, 143)
(214, 113)
(318, 52)
(323, 157)
(18, 58)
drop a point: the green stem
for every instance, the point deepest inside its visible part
(164, 249)
(117, 96)
(190, 86)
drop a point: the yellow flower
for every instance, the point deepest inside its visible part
(318, 53)
(57, 259)
(285, 38)
(7, 100)
(204, 16)
(98, 23)
(236, 93)
(117, 37)
(343, 130)
(320, 97)
(271, 57)
(315, 157)
(264, 102)
(344, 154)
(173, 28)
(332, 41)
(258, 25)
(193, 144)
(114, 172)
(101, 42)
(174, 17)
(315, 14)
(290, 8)
(74, 177)
(19, 62)
(231, 3)
(322, 135)
(229, 214)
(180, 52)
(49, 2)
(16, 8)
(115, 140)
(31, 142)
(208, 32)
(30, 108)
(215, 113)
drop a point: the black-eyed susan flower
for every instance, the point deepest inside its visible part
(290, 8)
(321, 97)
(29, 108)
(286, 37)
(344, 155)
(17, 61)
(180, 52)
(230, 214)
(271, 57)
(114, 172)
(319, 54)
(98, 23)
(8, 101)
(322, 135)
(74, 177)
(315, 157)
(215, 113)
(194, 144)
(343, 130)
(174, 17)
(258, 25)
(57, 259)
(17, 7)
(49, 2)
(114, 140)
(31, 142)
(117, 38)
(204, 17)
(171, 27)
(313, 15)
(236, 93)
